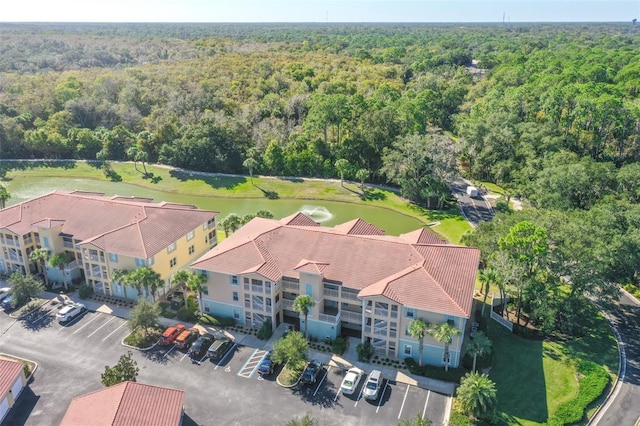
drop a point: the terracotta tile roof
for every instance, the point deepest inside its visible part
(443, 280)
(127, 404)
(299, 219)
(9, 372)
(359, 227)
(422, 236)
(129, 226)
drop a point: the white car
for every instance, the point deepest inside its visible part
(70, 311)
(4, 292)
(351, 380)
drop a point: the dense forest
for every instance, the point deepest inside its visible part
(550, 112)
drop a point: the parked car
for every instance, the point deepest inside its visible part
(311, 372)
(70, 311)
(219, 348)
(201, 345)
(266, 366)
(373, 385)
(187, 337)
(4, 292)
(351, 380)
(171, 333)
(6, 302)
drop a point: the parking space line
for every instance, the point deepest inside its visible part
(73, 321)
(98, 329)
(363, 381)
(233, 348)
(184, 356)
(119, 327)
(90, 321)
(425, 404)
(322, 381)
(169, 351)
(251, 364)
(386, 385)
(403, 401)
(45, 314)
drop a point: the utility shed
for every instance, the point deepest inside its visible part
(12, 381)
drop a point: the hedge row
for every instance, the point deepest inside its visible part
(453, 375)
(592, 383)
(217, 321)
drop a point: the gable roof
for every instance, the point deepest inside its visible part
(9, 372)
(434, 277)
(127, 403)
(129, 226)
(359, 227)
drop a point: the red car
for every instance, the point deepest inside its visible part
(187, 337)
(171, 333)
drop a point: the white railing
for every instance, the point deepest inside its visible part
(256, 288)
(349, 295)
(330, 292)
(333, 319)
(497, 317)
(288, 285)
(287, 304)
(351, 316)
(382, 312)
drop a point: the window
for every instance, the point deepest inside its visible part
(236, 314)
(407, 350)
(267, 286)
(409, 313)
(172, 247)
(190, 235)
(450, 320)
(310, 290)
(113, 257)
(173, 262)
(235, 296)
(234, 280)
(45, 242)
(140, 262)
(151, 261)
(245, 280)
(191, 249)
(268, 302)
(205, 289)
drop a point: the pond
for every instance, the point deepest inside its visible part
(329, 213)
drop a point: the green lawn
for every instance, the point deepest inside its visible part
(451, 227)
(533, 377)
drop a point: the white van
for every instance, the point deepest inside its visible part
(472, 191)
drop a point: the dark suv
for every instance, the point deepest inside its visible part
(311, 373)
(219, 348)
(200, 346)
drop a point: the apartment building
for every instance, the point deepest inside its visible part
(363, 283)
(101, 234)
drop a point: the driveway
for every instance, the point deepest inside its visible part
(474, 209)
(623, 407)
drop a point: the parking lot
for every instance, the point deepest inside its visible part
(72, 356)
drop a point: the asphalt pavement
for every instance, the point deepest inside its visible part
(474, 209)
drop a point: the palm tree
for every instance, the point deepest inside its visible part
(250, 164)
(418, 328)
(342, 165)
(195, 283)
(121, 276)
(147, 278)
(444, 333)
(132, 153)
(479, 346)
(477, 396)
(303, 304)
(4, 196)
(487, 277)
(60, 260)
(265, 214)
(180, 279)
(40, 256)
(362, 175)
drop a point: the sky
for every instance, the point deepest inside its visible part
(318, 11)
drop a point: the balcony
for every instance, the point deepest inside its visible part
(287, 304)
(247, 304)
(382, 312)
(68, 244)
(256, 288)
(331, 293)
(246, 286)
(258, 307)
(28, 240)
(288, 285)
(351, 316)
(333, 319)
(348, 294)
(380, 332)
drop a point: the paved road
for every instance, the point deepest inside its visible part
(623, 408)
(476, 209)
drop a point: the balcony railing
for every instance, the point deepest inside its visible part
(367, 329)
(28, 240)
(247, 304)
(394, 314)
(333, 319)
(351, 316)
(10, 242)
(330, 292)
(68, 244)
(256, 288)
(346, 294)
(287, 304)
(288, 285)
(380, 332)
(382, 312)
(258, 307)
(278, 304)
(247, 286)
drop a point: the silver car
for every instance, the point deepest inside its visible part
(371, 389)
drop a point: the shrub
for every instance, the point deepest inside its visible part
(209, 319)
(265, 331)
(364, 351)
(593, 382)
(167, 314)
(339, 346)
(164, 305)
(187, 315)
(26, 368)
(85, 292)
